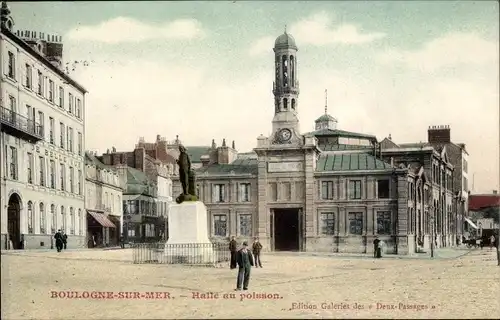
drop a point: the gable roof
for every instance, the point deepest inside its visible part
(92, 160)
(481, 201)
(388, 143)
(238, 166)
(350, 162)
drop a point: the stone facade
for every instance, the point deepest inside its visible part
(41, 144)
(327, 190)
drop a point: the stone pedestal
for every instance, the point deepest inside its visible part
(188, 240)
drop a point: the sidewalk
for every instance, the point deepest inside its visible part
(442, 253)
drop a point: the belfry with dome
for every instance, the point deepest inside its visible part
(327, 190)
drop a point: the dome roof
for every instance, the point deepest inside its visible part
(285, 41)
(325, 117)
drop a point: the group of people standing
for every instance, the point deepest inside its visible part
(244, 259)
(61, 240)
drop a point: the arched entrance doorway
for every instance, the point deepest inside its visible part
(14, 220)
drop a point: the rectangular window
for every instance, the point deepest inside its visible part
(465, 186)
(79, 108)
(52, 174)
(71, 179)
(62, 134)
(40, 83)
(327, 223)
(61, 97)
(51, 91)
(30, 168)
(41, 166)
(43, 221)
(70, 139)
(220, 225)
(41, 118)
(79, 181)
(131, 206)
(355, 189)
(383, 189)
(12, 66)
(327, 190)
(29, 77)
(63, 174)
(245, 225)
(244, 192)
(12, 106)
(356, 223)
(384, 222)
(80, 143)
(51, 130)
(218, 192)
(72, 221)
(13, 163)
(70, 98)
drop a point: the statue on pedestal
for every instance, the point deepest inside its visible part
(186, 177)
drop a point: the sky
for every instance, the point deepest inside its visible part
(204, 70)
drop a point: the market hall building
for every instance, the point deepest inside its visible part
(327, 190)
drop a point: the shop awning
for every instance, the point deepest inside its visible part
(101, 219)
(469, 221)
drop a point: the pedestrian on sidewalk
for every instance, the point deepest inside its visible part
(245, 262)
(492, 242)
(377, 252)
(59, 240)
(256, 249)
(233, 249)
(65, 240)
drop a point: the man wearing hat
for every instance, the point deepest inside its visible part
(244, 259)
(59, 240)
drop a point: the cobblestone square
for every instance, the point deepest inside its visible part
(106, 285)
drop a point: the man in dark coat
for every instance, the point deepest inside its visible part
(59, 240)
(65, 240)
(377, 252)
(256, 248)
(233, 249)
(245, 262)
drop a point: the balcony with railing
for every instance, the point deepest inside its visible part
(20, 126)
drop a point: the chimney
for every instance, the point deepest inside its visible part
(233, 145)
(439, 134)
(158, 138)
(113, 149)
(213, 144)
(224, 142)
(390, 137)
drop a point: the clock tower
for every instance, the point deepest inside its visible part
(285, 90)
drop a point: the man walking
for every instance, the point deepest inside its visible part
(65, 240)
(233, 249)
(256, 248)
(376, 248)
(59, 241)
(245, 262)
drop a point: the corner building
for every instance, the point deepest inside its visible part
(326, 190)
(41, 142)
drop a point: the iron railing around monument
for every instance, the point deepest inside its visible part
(201, 254)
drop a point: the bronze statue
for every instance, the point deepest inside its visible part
(184, 168)
(186, 177)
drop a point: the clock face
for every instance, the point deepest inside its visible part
(285, 134)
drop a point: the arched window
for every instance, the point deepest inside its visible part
(293, 104)
(30, 217)
(80, 222)
(63, 215)
(284, 65)
(53, 216)
(72, 221)
(43, 221)
(285, 104)
(292, 71)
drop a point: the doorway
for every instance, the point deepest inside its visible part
(14, 221)
(286, 230)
